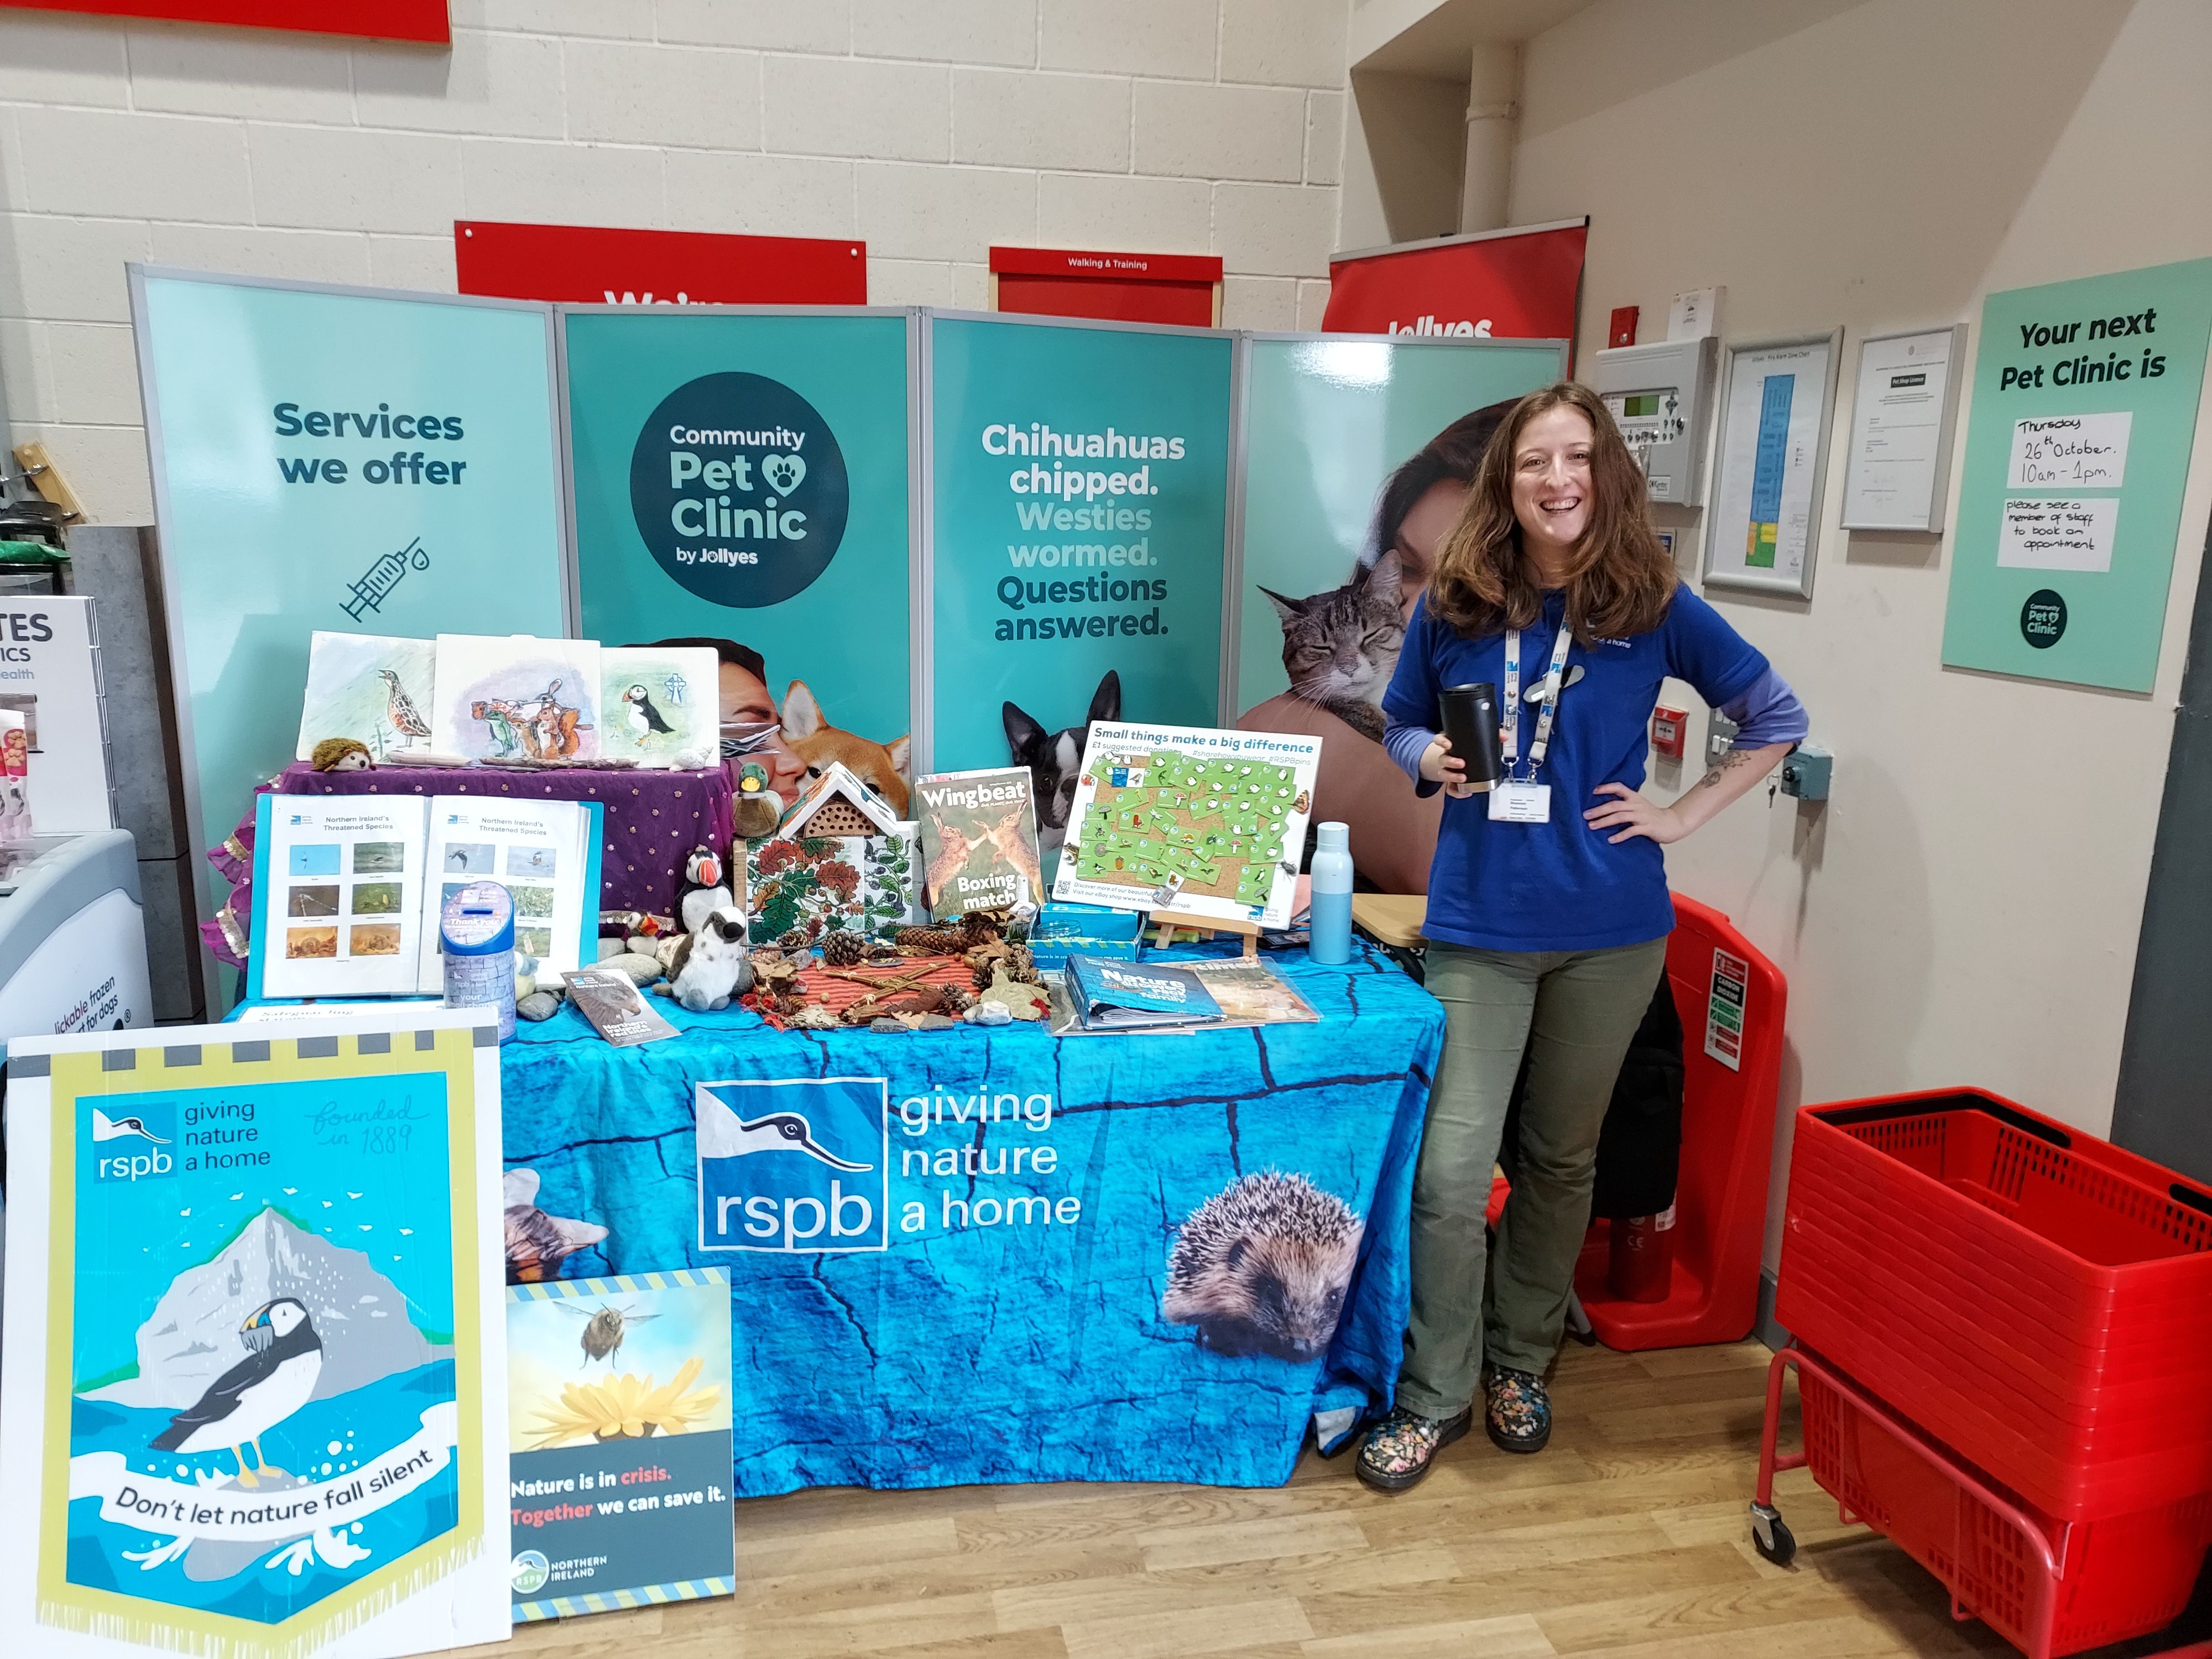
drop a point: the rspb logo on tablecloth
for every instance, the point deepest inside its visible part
(131, 1142)
(795, 1165)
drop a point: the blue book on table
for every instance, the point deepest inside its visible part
(1124, 996)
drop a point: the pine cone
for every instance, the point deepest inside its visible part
(937, 941)
(981, 926)
(1021, 966)
(958, 1000)
(794, 940)
(843, 950)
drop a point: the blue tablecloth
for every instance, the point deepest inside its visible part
(977, 1318)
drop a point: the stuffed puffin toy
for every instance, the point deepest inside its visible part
(703, 892)
(711, 965)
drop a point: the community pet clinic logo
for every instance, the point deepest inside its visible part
(132, 1143)
(738, 489)
(795, 1165)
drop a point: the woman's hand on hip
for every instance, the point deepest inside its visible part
(1631, 815)
(1440, 765)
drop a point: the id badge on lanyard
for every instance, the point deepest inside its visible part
(1524, 800)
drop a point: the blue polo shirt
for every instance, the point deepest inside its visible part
(1562, 886)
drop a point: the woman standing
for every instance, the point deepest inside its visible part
(1548, 910)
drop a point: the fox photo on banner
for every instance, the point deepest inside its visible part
(1079, 512)
(254, 1383)
(740, 479)
(344, 460)
(1358, 458)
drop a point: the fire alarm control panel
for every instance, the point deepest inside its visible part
(1662, 396)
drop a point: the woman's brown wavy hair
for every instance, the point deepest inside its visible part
(1619, 578)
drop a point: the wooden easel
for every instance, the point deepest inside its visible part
(1169, 921)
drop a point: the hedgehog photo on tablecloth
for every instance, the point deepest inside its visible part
(1262, 1267)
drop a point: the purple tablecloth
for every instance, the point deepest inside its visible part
(653, 820)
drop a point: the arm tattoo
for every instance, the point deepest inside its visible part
(1735, 758)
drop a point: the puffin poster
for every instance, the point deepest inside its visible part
(267, 1405)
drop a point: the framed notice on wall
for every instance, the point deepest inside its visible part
(1903, 413)
(1764, 520)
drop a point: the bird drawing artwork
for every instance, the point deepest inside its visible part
(644, 719)
(399, 709)
(105, 1127)
(284, 1358)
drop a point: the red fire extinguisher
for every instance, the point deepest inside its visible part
(1640, 1267)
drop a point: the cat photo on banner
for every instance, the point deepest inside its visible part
(1340, 646)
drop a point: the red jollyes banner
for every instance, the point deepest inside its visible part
(1504, 285)
(373, 20)
(582, 265)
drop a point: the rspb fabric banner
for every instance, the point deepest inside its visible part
(2077, 454)
(619, 1430)
(986, 1254)
(352, 462)
(254, 1383)
(744, 476)
(1078, 519)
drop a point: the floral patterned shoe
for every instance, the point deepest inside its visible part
(1403, 1445)
(1519, 1417)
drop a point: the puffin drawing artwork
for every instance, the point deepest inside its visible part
(406, 720)
(644, 719)
(285, 1360)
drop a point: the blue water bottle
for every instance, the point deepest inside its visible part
(1332, 895)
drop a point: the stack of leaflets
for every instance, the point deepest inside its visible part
(1129, 996)
(349, 889)
(1251, 992)
(979, 840)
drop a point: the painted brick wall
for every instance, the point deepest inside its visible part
(931, 127)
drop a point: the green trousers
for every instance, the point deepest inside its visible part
(1574, 1013)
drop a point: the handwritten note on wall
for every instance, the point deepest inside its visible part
(2048, 532)
(2070, 451)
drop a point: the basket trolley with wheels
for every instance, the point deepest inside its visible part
(2049, 1588)
(2002, 1327)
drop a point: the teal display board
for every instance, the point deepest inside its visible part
(373, 464)
(2077, 452)
(744, 476)
(1080, 516)
(1327, 422)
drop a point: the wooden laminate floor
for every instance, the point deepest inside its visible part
(1626, 1538)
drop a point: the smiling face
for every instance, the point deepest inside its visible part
(1551, 486)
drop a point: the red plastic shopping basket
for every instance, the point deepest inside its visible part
(2051, 1588)
(2035, 1299)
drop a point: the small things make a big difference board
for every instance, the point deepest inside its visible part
(1200, 820)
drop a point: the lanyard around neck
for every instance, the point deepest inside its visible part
(1552, 684)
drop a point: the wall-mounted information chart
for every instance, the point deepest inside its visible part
(1765, 521)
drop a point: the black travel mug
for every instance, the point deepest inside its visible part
(1470, 717)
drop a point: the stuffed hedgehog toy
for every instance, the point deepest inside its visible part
(341, 755)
